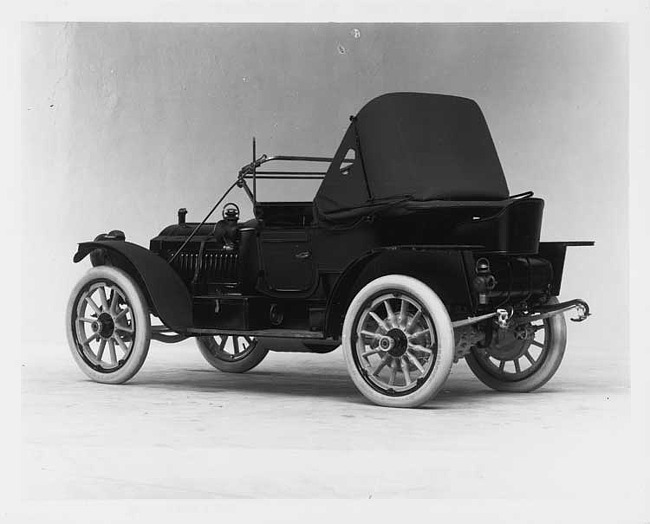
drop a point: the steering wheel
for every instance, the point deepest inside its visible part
(230, 211)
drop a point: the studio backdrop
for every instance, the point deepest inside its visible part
(122, 124)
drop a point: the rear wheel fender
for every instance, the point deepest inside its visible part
(441, 269)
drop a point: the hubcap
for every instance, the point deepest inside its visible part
(399, 342)
(104, 326)
(396, 343)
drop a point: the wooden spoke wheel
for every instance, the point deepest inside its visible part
(232, 353)
(398, 341)
(108, 325)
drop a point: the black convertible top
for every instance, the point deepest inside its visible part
(411, 149)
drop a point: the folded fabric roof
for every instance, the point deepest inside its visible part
(411, 147)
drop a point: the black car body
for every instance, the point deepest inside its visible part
(415, 189)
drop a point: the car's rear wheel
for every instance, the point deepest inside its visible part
(232, 353)
(108, 325)
(522, 359)
(398, 341)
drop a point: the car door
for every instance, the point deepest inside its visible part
(287, 261)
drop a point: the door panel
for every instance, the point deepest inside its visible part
(287, 260)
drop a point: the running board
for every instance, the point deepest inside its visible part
(261, 333)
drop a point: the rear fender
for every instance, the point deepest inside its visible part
(166, 293)
(442, 268)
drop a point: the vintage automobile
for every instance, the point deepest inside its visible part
(412, 256)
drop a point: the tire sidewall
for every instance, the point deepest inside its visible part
(444, 331)
(140, 311)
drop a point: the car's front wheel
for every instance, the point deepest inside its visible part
(398, 341)
(232, 353)
(108, 325)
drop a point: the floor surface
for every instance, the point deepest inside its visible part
(296, 427)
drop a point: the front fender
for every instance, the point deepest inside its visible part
(168, 296)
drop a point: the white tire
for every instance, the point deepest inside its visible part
(108, 325)
(398, 342)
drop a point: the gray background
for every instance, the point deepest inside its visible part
(124, 123)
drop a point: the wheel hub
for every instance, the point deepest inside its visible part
(509, 346)
(397, 342)
(104, 326)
